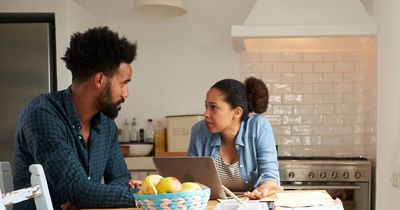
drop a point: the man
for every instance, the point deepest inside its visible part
(72, 132)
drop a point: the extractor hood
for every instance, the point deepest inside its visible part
(271, 19)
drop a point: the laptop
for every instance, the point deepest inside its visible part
(192, 169)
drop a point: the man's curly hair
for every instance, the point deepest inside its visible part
(97, 50)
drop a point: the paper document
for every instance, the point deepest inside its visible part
(303, 199)
(236, 206)
(336, 206)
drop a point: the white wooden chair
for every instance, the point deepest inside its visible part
(39, 191)
(6, 179)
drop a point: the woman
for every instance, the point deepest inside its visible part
(242, 146)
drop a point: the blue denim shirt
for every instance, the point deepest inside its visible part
(255, 145)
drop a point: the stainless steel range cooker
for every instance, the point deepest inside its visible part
(347, 178)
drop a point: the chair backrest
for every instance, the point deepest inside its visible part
(6, 179)
(39, 191)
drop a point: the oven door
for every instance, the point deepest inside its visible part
(354, 196)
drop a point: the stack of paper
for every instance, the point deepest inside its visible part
(287, 200)
(251, 205)
(303, 199)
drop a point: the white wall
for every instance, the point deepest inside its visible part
(388, 140)
(178, 58)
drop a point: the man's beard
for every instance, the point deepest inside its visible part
(107, 106)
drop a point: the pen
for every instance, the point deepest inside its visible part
(234, 196)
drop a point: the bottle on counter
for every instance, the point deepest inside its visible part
(141, 135)
(134, 137)
(159, 138)
(149, 132)
(125, 132)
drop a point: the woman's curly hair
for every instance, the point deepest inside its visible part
(257, 94)
(97, 50)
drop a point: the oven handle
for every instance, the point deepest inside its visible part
(319, 187)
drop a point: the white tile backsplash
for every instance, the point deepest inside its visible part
(272, 77)
(321, 103)
(292, 99)
(262, 67)
(334, 56)
(343, 88)
(333, 78)
(292, 119)
(303, 109)
(291, 56)
(312, 78)
(272, 56)
(322, 88)
(283, 67)
(344, 66)
(282, 88)
(302, 88)
(302, 130)
(291, 77)
(302, 67)
(312, 57)
(323, 67)
(250, 57)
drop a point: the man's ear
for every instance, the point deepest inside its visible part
(99, 79)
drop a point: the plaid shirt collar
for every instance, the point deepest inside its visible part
(73, 115)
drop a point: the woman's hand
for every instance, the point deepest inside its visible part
(135, 183)
(264, 190)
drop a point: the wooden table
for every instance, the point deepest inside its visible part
(211, 203)
(210, 206)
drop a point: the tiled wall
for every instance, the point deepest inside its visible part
(321, 103)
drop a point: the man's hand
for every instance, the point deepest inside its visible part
(68, 206)
(135, 183)
(266, 189)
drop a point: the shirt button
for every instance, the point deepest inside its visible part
(237, 146)
(88, 178)
(80, 137)
(73, 126)
(241, 165)
(246, 182)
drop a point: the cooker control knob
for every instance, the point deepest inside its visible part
(358, 175)
(334, 175)
(346, 175)
(322, 174)
(291, 174)
(311, 174)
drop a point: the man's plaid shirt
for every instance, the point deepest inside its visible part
(48, 133)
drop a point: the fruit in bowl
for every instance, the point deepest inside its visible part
(169, 185)
(149, 184)
(169, 193)
(190, 186)
(156, 184)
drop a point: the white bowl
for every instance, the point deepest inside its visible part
(140, 149)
